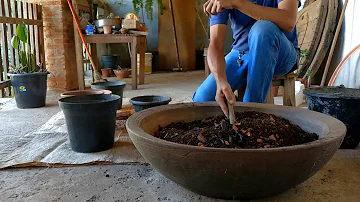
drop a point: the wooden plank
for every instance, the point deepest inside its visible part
(31, 30)
(14, 4)
(20, 9)
(5, 84)
(142, 63)
(286, 76)
(78, 51)
(4, 42)
(101, 38)
(36, 34)
(10, 32)
(289, 92)
(326, 39)
(2, 92)
(167, 52)
(134, 63)
(41, 39)
(185, 32)
(25, 11)
(178, 66)
(10, 20)
(93, 50)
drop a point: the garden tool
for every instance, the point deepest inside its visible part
(97, 76)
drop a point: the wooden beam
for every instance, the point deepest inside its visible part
(134, 63)
(4, 42)
(9, 20)
(78, 51)
(102, 38)
(5, 84)
(41, 39)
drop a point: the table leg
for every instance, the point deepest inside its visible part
(142, 63)
(95, 58)
(134, 63)
(79, 55)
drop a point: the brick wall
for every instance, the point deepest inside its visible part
(59, 44)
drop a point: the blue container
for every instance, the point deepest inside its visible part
(90, 29)
(109, 61)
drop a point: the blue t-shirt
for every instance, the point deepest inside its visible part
(241, 24)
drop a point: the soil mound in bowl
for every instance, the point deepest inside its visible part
(252, 130)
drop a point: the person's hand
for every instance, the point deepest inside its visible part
(213, 7)
(225, 95)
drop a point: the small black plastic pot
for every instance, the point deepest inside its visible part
(116, 87)
(147, 101)
(90, 120)
(341, 103)
(30, 89)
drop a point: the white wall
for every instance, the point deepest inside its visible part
(349, 38)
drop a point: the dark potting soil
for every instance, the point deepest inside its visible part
(252, 130)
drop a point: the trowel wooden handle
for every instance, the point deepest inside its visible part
(231, 113)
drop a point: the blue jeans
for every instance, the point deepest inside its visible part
(270, 54)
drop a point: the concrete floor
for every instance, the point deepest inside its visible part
(339, 180)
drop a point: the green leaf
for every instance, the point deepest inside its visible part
(15, 42)
(22, 32)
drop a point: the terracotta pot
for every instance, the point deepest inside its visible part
(85, 92)
(235, 173)
(122, 73)
(106, 72)
(107, 29)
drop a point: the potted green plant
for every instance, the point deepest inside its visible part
(29, 80)
(147, 5)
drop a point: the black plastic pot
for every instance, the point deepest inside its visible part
(340, 103)
(147, 101)
(110, 61)
(116, 87)
(90, 120)
(30, 89)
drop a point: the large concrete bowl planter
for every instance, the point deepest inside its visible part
(235, 173)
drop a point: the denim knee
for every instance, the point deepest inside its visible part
(263, 30)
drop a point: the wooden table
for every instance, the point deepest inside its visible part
(133, 39)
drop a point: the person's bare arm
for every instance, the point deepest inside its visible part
(284, 16)
(216, 52)
(217, 66)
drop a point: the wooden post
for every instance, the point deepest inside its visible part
(142, 60)
(10, 31)
(4, 43)
(41, 39)
(78, 52)
(36, 34)
(2, 91)
(289, 92)
(134, 63)
(270, 96)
